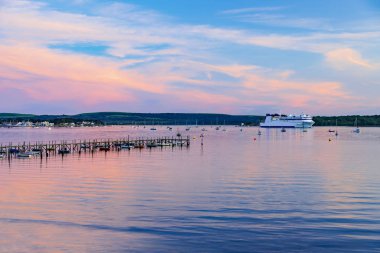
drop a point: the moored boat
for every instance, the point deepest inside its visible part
(127, 146)
(14, 151)
(63, 151)
(151, 145)
(357, 129)
(24, 155)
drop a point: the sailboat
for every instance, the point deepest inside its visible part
(153, 128)
(187, 127)
(356, 130)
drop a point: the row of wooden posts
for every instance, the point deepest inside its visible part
(65, 147)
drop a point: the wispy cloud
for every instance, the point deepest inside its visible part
(273, 17)
(252, 9)
(346, 57)
(147, 56)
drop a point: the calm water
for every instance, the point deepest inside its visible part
(284, 192)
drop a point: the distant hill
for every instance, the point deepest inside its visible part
(170, 118)
(121, 118)
(15, 115)
(128, 118)
(349, 120)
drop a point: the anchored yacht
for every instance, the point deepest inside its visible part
(287, 121)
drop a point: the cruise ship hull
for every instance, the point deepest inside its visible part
(263, 126)
(286, 126)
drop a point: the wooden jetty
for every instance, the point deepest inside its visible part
(77, 146)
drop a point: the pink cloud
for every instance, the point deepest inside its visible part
(182, 75)
(343, 58)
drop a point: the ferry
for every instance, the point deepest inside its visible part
(287, 121)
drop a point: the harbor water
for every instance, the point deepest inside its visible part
(290, 191)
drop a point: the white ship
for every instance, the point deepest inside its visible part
(288, 121)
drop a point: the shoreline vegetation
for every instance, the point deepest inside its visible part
(125, 118)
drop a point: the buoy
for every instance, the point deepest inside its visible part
(329, 139)
(254, 139)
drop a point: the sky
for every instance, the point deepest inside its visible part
(236, 57)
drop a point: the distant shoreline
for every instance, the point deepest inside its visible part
(126, 118)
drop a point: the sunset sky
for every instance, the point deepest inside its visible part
(237, 57)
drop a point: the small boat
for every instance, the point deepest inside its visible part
(2, 156)
(331, 131)
(179, 134)
(37, 150)
(259, 132)
(187, 129)
(153, 129)
(217, 128)
(14, 151)
(85, 146)
(357, 129)
(33, 153)
(283, 130)
(63, 151)
(24, 155)
(204, 129)
(180, 143)
(164, 144)
(127, 146)
(151, 145)
(106, 148)
(141, 145)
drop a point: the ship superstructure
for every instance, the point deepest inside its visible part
(287, 121)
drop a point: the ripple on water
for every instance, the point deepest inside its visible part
(292, 192)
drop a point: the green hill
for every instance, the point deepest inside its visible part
(127, 118)
(15, 115)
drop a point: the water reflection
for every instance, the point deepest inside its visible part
(290, 191)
